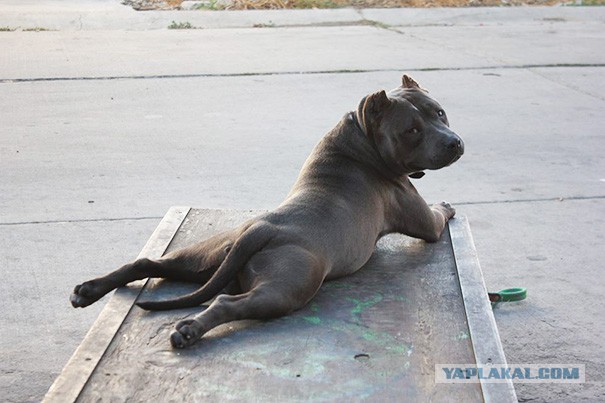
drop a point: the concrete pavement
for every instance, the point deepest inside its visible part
(107, 123)
(67, 15)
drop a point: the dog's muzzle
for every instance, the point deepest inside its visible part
(455, 147)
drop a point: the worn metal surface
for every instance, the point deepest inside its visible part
(374, 335)
(485, 338)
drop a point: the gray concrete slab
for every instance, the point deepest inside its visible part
(130, 140)
(555, 249)
(180, 146)
(96, 154)
(77, 15)
(482, 16)
(238, 51)
(519, 134)
(34, 55)
(534, 44)
(39, 329)
(120, 53)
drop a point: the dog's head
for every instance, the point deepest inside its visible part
(409, 129)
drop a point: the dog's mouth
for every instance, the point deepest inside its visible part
(459, 153)
(456, 158)
(442, 163)
(434, 163)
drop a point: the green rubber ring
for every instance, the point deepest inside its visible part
(512, 294)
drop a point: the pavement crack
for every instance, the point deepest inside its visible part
(462, 203)
(381, 25)
(536, 200)
(80, 220)
(566, 85)
(453, 48)
(286, 73)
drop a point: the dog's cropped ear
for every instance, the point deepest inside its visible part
(372, 106)
(409, 82)
(376, 103)
(370, 110)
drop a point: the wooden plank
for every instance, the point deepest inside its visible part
(81, 365)
(487, 346)
(373, 335)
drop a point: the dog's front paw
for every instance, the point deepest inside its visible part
(186, 333)
(85, 294)
(447, 209)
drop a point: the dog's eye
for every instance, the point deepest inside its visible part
(441, 113)
(413, 130)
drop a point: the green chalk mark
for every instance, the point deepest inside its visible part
(361, 306)
(314, 307)
(461, 336)
(312, 319)
(400, 298)
(402, 349)
(369, 336)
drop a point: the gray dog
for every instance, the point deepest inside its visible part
(352, 190)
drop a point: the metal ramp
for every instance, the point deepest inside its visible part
(375, 335)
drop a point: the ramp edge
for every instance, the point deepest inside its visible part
(480, 317)
(76, 373)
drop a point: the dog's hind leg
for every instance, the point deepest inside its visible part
(260, 303)
(270, 296)
(196, 264)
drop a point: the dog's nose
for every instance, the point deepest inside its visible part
(457, 144)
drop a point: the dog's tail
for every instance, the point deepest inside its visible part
(250, 242)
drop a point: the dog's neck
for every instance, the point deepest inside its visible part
(361, 148)
(353, 116)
